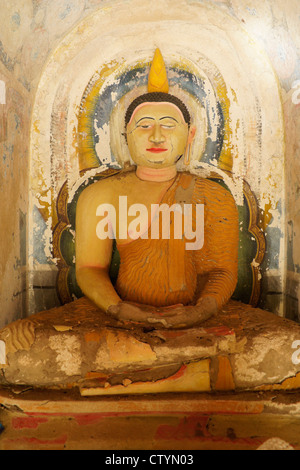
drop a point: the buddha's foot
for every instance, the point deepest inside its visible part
(19, 335)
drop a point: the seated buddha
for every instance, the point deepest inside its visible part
(167, 323)
(165, 282)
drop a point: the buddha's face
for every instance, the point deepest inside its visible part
(157, 135)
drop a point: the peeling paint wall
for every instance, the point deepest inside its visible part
(14, 161)
(52, 53)
(275, 27)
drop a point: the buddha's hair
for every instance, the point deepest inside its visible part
(157, 97)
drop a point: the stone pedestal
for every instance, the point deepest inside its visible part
(34, 419)
(76, 345)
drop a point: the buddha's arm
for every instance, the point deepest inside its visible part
(96, 285)
(93, 255)
(221, 238)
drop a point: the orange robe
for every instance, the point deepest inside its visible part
(161, 272)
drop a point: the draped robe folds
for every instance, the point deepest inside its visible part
(162, 272)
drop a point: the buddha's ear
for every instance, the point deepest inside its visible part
(191, 135)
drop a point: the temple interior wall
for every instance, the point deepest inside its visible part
(50, 50)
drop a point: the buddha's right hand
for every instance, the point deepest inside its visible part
(144, 315)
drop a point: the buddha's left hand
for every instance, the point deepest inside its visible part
(187, 316)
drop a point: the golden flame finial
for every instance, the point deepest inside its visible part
(158, 80)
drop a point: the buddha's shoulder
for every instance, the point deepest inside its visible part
(108, 184)
(213, 190)
(211, 185)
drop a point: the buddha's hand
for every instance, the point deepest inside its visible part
(176, 316)
(188, 316)
(132, 312)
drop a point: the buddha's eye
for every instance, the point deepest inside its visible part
(168, 126)
(144, 126)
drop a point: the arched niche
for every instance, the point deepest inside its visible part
(210, 58)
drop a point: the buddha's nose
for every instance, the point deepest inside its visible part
(157, 136)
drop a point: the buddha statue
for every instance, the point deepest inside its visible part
(163, 281)
(168, 323)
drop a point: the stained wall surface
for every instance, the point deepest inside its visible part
(65, 65)
(14, 181)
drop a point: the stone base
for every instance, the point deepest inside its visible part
(242, 348)
(35, 419)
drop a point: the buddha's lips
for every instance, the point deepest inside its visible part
(156, 150)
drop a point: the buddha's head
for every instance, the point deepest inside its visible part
(158, 125)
